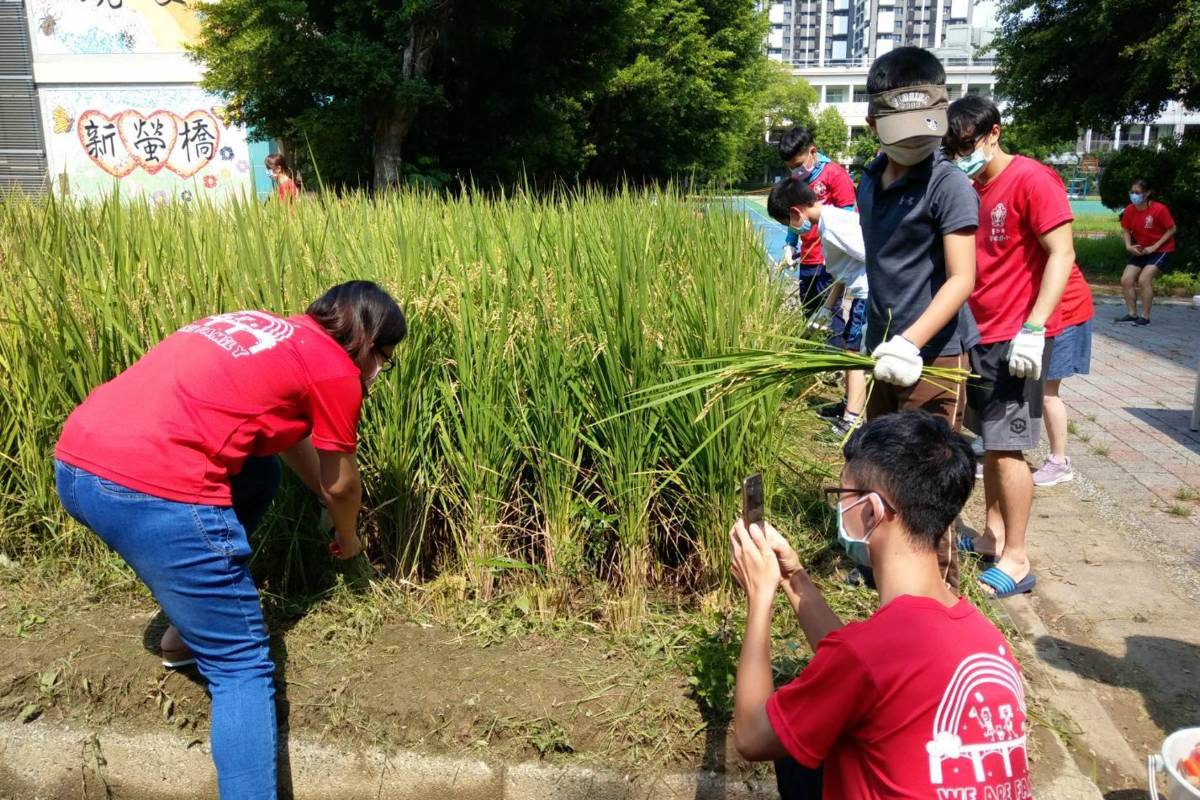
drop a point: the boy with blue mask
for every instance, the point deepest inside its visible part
(832, 186)
(792, 202)
(879, 711)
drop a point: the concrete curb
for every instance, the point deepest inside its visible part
(46, 761)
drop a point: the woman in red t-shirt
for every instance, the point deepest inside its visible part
(172, 463)
(1149, 232)
(281, 173)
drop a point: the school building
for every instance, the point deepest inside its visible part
(98, 96)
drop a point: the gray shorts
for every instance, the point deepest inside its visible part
(1008, 409)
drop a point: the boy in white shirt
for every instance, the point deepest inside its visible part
(794, 204)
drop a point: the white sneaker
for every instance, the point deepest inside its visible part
(1052, 473)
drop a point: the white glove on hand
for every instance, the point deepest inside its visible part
(789, 255)
(1025, 353)
(898, 361)
(821, 320)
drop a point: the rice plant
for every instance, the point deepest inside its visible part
(514, 431)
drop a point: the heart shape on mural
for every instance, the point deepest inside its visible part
(198, 138)
(150, 138)
(100, 137)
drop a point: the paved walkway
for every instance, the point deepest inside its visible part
(1131, 418)
(1111, 638)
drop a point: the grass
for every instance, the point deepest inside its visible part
(1187, 494)
(506, 445)
(1100, 450)
(1179, 510)
(1100, 252)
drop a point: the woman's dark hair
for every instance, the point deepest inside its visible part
(360, 316)
(789, 192)
(968, 118)
(277, 161)
(1142, 182)
(793, 142)
(925, 469)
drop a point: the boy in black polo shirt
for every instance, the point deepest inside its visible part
(919, 214)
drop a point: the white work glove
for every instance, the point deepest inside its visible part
(898, 361)
(1025, 353)
(789, 255)
(821, 320)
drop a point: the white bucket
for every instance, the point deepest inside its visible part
(1178, 745)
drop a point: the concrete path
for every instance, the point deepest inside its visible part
(1115, 619)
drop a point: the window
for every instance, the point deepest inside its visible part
(839, 52)
(861, 95)
(979, 90)
(954, 91)
(836, 94)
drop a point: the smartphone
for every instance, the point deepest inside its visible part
(752, 499)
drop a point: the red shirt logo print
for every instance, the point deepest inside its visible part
(977, 733)
(242, 333)
(999, 219)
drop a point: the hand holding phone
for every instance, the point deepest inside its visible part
(752, 499)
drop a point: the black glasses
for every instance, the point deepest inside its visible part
(389, 362)
(833, 495)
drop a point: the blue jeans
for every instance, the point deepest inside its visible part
(195, 560)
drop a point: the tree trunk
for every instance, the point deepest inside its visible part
(396, 117)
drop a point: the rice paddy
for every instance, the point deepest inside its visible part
(509, 441)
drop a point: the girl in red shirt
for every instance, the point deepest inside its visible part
(1149, 232)
(172, 463)
(281, 173)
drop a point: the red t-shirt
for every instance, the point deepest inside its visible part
(1025, 201)
(1147, 227)
(833, 187)
(919, 701)
(182, 419)
(288, 190)
(1076, 304)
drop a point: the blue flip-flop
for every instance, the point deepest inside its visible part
(966, 544)
(1003, 584)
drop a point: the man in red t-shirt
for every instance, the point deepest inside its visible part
(1024, 252)
(1149, 231)
(921, 700)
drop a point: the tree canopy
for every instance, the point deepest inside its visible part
(1067, 64)
(382, 91)
(830, 134)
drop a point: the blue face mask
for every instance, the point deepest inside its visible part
(974, 163)
(1136, 198)
(804, 228)
(855, 548)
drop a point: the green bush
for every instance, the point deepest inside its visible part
(506, 437)
(1174, 172)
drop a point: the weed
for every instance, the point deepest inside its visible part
(1179, 510)
(1100, 450)
(1187, 493)
(1072, 428)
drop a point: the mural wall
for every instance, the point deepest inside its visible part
(164, 142)
(110, 27)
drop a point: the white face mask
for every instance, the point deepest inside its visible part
(907, 152)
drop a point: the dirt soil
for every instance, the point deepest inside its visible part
(405, 684)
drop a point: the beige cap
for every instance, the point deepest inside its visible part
(909, 111)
